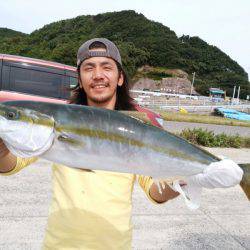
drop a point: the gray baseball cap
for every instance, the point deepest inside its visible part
(111, 51)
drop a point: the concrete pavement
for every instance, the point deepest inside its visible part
(222, 222)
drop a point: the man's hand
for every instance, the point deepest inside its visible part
(3, 149)
(162, 192)
(7, 160)
(221, 174)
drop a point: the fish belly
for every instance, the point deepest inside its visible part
(96, 154)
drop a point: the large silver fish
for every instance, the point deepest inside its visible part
(93, 138)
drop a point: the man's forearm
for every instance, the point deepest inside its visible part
(166, 193)
(7, 160)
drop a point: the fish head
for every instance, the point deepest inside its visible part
(25, 130)
(12, 117)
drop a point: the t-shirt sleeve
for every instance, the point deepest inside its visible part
(146, 182)
(20, 164)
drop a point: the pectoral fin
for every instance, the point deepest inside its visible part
(67, 139)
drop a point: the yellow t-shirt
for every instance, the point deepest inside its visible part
(89, 210)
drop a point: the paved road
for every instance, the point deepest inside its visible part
(222, 222)
(177, 127)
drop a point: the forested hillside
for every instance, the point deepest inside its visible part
(8, 33)
(141, 42)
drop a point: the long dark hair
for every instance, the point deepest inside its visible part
(123, 99)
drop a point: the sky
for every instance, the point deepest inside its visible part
(223, 23)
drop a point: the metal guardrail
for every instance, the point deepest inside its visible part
(197, 108)
(168, 101)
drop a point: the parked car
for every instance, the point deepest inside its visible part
(23, 78)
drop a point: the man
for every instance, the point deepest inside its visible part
(92, 210)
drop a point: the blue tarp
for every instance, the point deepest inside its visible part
(233, 114)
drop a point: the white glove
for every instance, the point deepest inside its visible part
(222, 174)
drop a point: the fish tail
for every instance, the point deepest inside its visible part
(245, 182)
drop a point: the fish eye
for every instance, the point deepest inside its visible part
(11, 115)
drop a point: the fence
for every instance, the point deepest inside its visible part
(201, 104)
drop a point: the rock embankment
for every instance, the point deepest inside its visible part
(165, 80)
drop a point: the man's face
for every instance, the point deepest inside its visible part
(99, 79)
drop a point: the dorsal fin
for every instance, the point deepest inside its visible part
(137, 115)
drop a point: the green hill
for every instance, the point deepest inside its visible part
(8, 33)
(10, 40)
(141, 42)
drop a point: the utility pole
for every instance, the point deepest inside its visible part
(232, 102)
(234, 91)
(238, 96)
(192, 84)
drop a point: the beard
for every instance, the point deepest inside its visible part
(102, 98)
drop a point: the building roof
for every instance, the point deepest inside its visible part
(216, 91)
